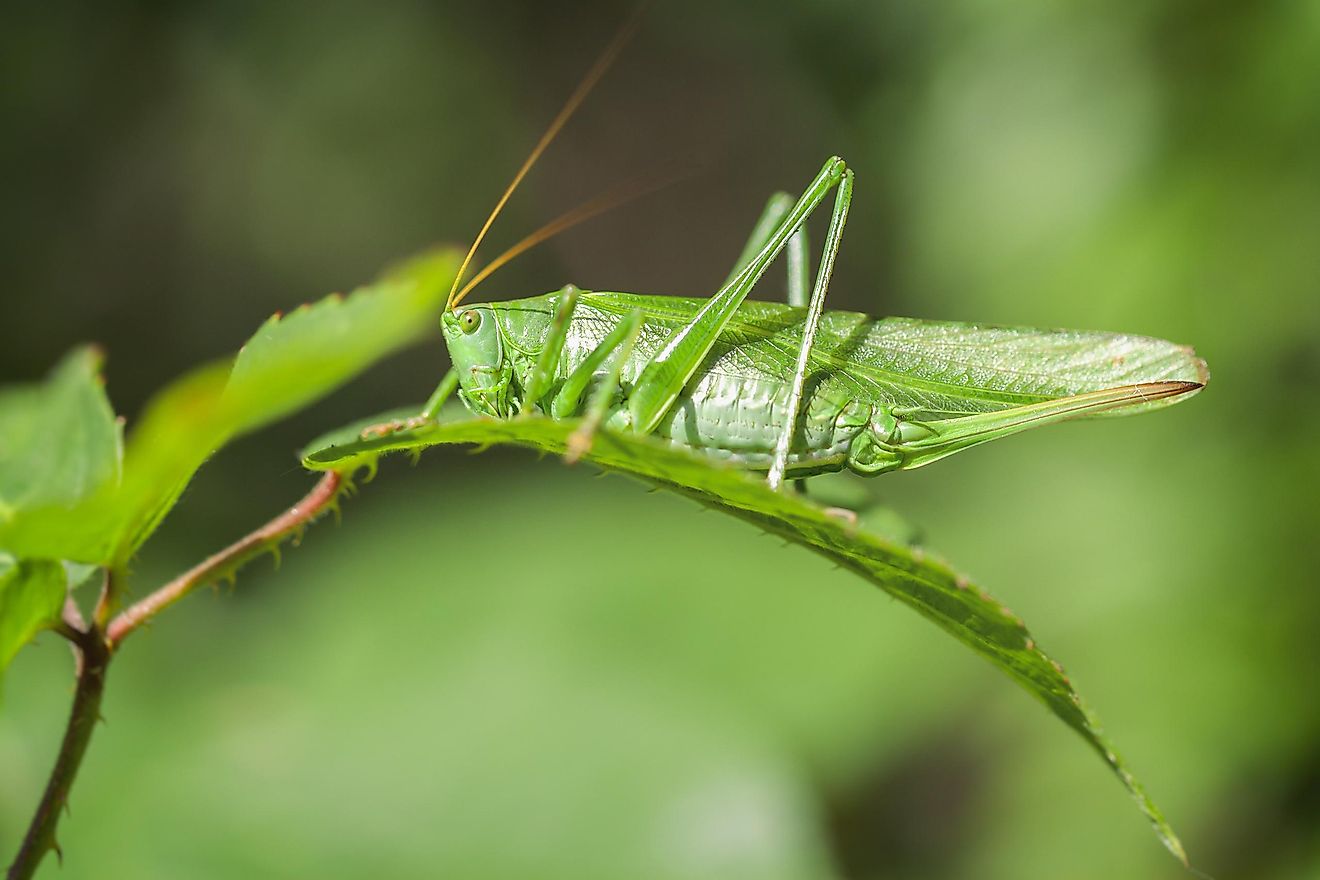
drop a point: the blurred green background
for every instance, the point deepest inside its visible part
(504, 668)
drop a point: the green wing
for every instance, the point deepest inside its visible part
(940, 370)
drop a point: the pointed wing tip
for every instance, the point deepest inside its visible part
(1153, 391)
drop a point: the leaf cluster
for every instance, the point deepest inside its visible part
(75, 494)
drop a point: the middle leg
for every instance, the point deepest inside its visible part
(543, 374)
(607, 387)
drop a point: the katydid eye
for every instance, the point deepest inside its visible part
(469, 321)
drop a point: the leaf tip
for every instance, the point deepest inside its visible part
(1174, 845)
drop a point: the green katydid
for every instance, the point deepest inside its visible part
(790, 389)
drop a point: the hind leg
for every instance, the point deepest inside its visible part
(795, 252)
(838, 219)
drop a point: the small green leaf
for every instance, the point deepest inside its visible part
(59, 439)
(290, 362)
(925, 584)
(293, 359)
(31, 598)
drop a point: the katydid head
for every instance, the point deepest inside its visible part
(477, 352)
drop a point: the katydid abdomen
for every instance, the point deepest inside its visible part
(739, 419)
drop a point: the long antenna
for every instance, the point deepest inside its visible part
(606, 201)
(584, 88)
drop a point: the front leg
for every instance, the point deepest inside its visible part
(442, 393)
(429, 412)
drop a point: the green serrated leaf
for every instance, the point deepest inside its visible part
(59, 440)
(296, 358)
(31, 599)
(290, 362)
(920, 581)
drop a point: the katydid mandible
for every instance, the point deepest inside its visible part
(790, 389)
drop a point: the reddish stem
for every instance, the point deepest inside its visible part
(316, 502)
